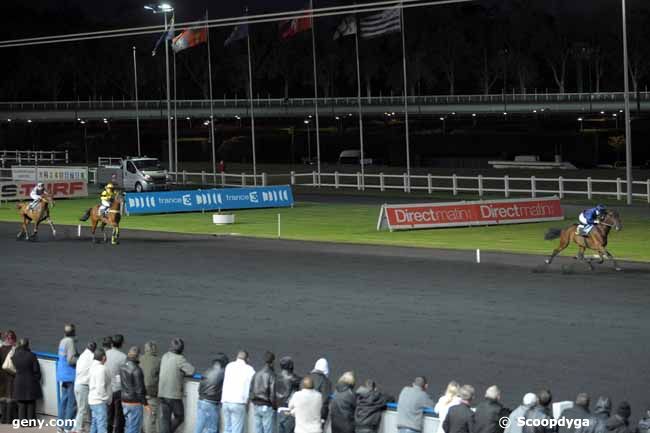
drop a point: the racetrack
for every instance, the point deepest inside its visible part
(386, 313)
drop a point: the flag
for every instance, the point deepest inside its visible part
(168, 35)
(291, 28)
(238, 33)
(347, 27)
(190, 38)
(382, 23)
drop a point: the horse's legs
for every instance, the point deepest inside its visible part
(94, 228)
(23, 229)
(103, 231)
(49, 221)
(581, 253)
(564, 242)
(611, 257)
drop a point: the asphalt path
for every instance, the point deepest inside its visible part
(385, 313)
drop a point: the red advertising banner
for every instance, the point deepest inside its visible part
(64, 189)
(458, 214)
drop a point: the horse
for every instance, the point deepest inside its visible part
(112, 219)
(596, 240)
(37, 215)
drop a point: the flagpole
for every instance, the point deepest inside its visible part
(406, 108)
(252, 106)
(214, 156)
(137, 107)
(175, 121)
(313, 43)
(356, 37)
(169, 104)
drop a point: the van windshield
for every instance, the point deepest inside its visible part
(147, 164)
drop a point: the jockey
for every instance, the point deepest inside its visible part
(106, 198)
(37, 194)
(588, 218)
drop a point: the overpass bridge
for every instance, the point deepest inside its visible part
(579, 104)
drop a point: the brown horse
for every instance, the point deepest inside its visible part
(111, 219)
(597, 239)
(37, 215)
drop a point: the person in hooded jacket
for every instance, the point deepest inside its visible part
(286, 384)
(599, 417)
(620, 422)
(343, 405)
(320, 378)
(209, 405)
(527, 403)
(541, 411)
(371, 403)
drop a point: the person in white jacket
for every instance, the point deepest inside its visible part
(82, 372)
(235, 394)
(449, 399)
(305, 405)
(99, 392)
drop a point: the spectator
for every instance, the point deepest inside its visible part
(222, 166)
(210, 388)
(234, 398)
(644, 423)
(27, 385)
(599, 417)
(489, 412)
(286, 384)
(262, 395)
(150, 365)
(133, 393)
(542, 410)
(579, 411)
(343, 404)
(8, 407)
(371, 403)
(460, 418)
(449, 399)
(65, 375)
(319, 376)
(114, 360)
(411, 404)
(620, 422)
(173, 369)
(99, 393)
(306, 407)
(84, 363)
(528, 402)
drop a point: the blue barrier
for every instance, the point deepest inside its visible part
(208, 199)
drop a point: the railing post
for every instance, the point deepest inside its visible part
(429, 183)
(533, 186)
(358, 181)
(506, 185)
(454, 184)
(405, 181)
(243, 179)
(648, 190)
(314, 179)
(560, 186)
(336, 180)
(480, 185)
(589, 188)
(223, 179)
(382, 185)
(293, 178)
(619, 192)
(264, 179)
(202, 177)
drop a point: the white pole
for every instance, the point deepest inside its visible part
(478, 256)
(628, 126)
(169, 103)
(406, 108)
(279, 227)
(313, 46)
(175, 123)
(79, 230)
(250, 89)
(214, 155)
(137, 105)
(363, 165)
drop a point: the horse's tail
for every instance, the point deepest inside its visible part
(552, 234)
(86, 215)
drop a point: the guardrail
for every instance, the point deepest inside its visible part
(21, 157)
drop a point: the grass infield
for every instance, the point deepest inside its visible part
(354, 223)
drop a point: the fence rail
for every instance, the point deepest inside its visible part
(34, 157)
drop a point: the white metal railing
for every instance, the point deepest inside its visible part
(34, 157)
(108, 160)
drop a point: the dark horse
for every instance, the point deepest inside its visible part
(112, 219)
(597, 239)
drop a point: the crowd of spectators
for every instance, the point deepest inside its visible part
(104, 389)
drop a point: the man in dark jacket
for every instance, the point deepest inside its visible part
(599, 417)
(540, 412)
(319, 376)
(577, 413)
(371, 403)
(286, 383)
(27, 384)
(209, 405)
(460, 418)
(489, 412)
(150, 365)
(620, 422)
(133, 393)
(343, 405)
(262, 395)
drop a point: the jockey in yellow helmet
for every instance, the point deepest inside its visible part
(106, 198)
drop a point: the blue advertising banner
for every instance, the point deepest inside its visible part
(208, 199)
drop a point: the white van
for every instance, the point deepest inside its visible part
(353, 157)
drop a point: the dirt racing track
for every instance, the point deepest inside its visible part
(386, 313)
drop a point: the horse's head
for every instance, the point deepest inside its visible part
(613, 219)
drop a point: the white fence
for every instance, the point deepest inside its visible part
(506, 186)
(29, 157)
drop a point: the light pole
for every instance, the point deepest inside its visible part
(628, 126)
(307, 122)
(137, 106)
(165, 8)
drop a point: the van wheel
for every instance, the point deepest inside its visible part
(138, 187)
